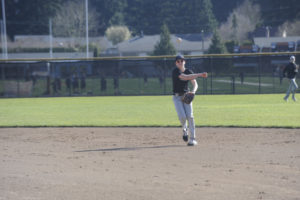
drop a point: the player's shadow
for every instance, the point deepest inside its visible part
(130, 148)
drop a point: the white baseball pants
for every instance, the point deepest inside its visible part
(185, 115)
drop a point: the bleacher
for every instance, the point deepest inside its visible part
(282, 47)
(246, 49)
(275, 47)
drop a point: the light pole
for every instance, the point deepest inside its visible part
(267, 31)
(202, 35)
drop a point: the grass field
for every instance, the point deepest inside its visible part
(209, 110)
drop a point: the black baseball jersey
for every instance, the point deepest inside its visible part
(291, 70)
(180, 86)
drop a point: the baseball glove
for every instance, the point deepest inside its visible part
(188, 97)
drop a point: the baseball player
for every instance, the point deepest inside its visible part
(291, 70)
(181, 76)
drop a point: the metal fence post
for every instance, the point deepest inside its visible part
(259, 74)
(233, 84)
(211, 75)
(48, 78)
(164, 75)
(18, 81)
(3, 73)
(204, 81)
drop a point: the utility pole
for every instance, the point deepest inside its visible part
(5, 56)
(87, 28)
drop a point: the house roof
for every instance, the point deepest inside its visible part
(42, 41)
(141, 44)
(37, 55)
(146, 43)
(194, 37)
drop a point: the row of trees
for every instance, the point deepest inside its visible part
(245, 18)
(232, 19)
(68, 16)
(181, 16)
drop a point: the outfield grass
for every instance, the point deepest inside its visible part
(209, 110)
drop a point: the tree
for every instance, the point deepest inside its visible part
(181, 16)
(70, 21)
(144, 16)
(30, 16)
(223, 8)
(117, 34)
(110, 13)
(216, 47)
(219, 65)
(164, 46)
(230, 44)
(291, 28)
(208, 16)
(276, 12)
(240, 22)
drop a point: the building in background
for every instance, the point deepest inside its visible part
(188, 44)
(37, 46)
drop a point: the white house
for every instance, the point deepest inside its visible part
(188, 44)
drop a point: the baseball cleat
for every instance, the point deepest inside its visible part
(192, 142)
(285, 99)
(294, 98)
(185, 137)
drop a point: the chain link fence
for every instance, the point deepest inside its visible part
(228, 74)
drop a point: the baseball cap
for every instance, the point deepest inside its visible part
(292, 58)
(179, 57)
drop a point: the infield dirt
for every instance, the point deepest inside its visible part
(149, 163)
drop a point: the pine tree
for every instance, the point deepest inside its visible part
(195, 15)
(208, 16)
(164, 46)
(216, 47)
(219, 65)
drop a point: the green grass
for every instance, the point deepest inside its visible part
(209, 110)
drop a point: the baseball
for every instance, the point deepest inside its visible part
(179, 40)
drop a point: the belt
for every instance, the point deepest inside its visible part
(178, 94)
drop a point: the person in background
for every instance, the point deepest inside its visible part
(290, 71)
